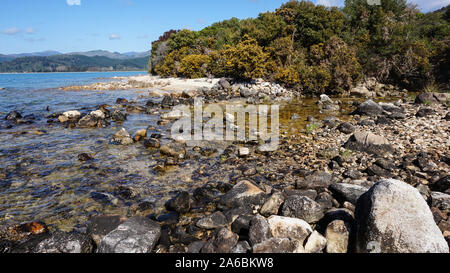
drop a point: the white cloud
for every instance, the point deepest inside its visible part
(29, 30)
(11, 31)
(73, 2)
(114, 37)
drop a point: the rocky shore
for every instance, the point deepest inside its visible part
(372, 179)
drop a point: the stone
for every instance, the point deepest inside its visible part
(152, 143)
(272, 205)
(424, 112)
(121, 101)
(302, 207)
(441, 201)
(346, 128)
(352, 174)
(195, 247)
(244, 193)
(315, 243)
(259, 230)
(175, 151)
(241, 225)
(316, 180)
(278, 245)
(243, 151)
(241, 247)
(225, 84)
(137, 235)
(181, 203)
(374, 169)
(13, 115)
(368, 142)
(347, 192)
(84, 157)
(442, 184)
(118, 116)
(98, 114)
(213, 221)
(286, 227)
(122, 137)
(140, 134)
(393, 217)
(337, 235)
(361, 91)
(74, 114)
(368, 108)
(100, 225)
(62, 242)
(223, 242)
(104, 198)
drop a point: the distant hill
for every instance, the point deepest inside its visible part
(92, 53)
(112, 55)
(72, 63)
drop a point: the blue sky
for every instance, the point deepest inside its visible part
(121, 25)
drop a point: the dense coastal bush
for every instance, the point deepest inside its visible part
(315, 49)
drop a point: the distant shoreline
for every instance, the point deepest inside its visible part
(13, 73)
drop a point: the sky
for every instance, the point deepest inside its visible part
(122, 25)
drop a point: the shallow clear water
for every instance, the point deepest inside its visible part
(42, 177)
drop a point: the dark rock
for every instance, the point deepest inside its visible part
(352, 174)
(441, 201)
(180, 203)
(347, 192)
(302, 207)
(62, 242)
(213, 221)
(447, 116)
(378, 171)
(118, 116)
(426, 97)
(424, 112)
(195, 247)
(259, 230)
(368, 108)
(170, 218)
(325, 199)
(245, 193)
(393, 217)
(13, 115)
(346, 128)
(330, 122)
(206, 193)
(442, 184)
(383, 120)
(385, 164)
(223, 242)
(84, 157)
(121, 101)
(366, 122)
(316, 180)
(104, 198)
(99, 226)
(241, 225)
(225, 84)
(152, 143)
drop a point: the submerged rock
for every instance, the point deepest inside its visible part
(137, 235)
(122, 137)
(393, 217)
(13, 115)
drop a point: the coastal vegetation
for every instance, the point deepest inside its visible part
(315, 49)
